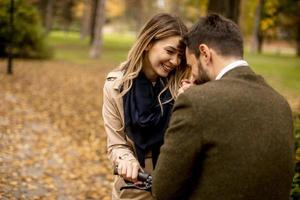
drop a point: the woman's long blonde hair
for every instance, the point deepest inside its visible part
(158, 27)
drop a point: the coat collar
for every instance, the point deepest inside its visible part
(116, 77)
(240, 71)
(231, 66)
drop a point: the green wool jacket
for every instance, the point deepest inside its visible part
(229, 139)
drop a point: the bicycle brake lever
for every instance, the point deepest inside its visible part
(140, 186)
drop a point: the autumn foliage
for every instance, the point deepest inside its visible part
(52, 140)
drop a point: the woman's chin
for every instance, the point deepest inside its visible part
(164, 74)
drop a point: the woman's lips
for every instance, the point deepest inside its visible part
(167, 68)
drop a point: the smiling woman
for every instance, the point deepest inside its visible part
(162, 57)
(138, 98)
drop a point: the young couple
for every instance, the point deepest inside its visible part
(230, 135)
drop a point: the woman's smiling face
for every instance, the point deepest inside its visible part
(162, 57)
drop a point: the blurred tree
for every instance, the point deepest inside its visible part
(115, 9)
(289, 20)
(260, 20)
(86, 11)
(138, 11)
(228, 8)
(45, 8)
(94, 5)
(29, 41)
(86, 16)
(276, 19)
(135, 11)
(49, 15)
(194, 9)
(269, 19)
(174, 7)
(257, 35)
(189, 10)
(247, 15)
(100, 20)
(56, 14)
(10, 45)
(67, 14)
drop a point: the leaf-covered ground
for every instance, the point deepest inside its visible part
(52, 140)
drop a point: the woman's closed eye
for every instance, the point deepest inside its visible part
(170, 51)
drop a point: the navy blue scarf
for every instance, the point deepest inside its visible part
(145, 124)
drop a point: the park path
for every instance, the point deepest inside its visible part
(52, 143)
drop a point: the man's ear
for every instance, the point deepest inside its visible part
(205, 51)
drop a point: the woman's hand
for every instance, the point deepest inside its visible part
(185, 84)
(128, 169)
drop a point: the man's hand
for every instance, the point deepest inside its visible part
(129, 169)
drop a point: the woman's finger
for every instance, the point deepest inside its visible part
(135, 171)
(129, 172)
(123, 170)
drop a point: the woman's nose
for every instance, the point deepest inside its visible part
(175, 60)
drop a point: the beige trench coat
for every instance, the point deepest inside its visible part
(118, 144)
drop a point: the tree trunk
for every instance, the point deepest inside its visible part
(42, 7)
(49, 16)
(10, 47)
(257, 37)
(67, 14)
(100, 19)
(174, 7)
(235, 12)
(298, 39)
(94, 5)
(135, 9)
(260, 42)
(139, 14)
(86, 20)
(227, 8)
(148, 6)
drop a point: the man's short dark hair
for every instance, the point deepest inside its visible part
(218, 33)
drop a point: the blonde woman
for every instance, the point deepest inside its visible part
(138, 98)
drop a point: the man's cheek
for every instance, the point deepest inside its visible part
(194, 77)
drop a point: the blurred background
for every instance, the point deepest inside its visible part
(54, 57)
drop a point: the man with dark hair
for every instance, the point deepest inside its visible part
(231, 135)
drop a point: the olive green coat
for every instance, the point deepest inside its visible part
(229, 139)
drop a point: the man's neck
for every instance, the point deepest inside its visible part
(220, 63)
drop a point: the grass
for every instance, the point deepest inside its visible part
(69, 47)
(281, 71)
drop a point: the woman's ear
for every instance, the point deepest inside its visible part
(149, 46)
